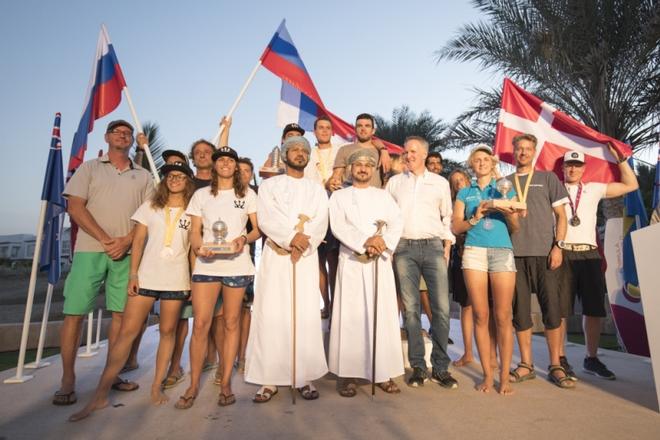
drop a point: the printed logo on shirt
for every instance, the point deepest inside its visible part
(184, 224)
(240, 204)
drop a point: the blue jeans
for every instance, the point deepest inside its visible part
(413, 258)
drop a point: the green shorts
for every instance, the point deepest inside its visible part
(89, 271)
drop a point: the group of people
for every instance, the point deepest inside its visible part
(383, 240)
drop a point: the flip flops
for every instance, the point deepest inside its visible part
(174, 380)
(226, 399)
(185, 402)
(64, 399)
(264, 394)
(125, 385)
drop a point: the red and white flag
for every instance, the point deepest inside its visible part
(521, 112)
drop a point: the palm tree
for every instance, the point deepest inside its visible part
(156, 146)
(406, 123)
(597, 60)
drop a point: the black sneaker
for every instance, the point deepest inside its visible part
(593, 365)
(445, 380)
(567, 367)
(418, 377)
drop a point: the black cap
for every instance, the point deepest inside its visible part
(178, 166)
(169, 153)
(226, 152)
(118, 123)
(293, 127)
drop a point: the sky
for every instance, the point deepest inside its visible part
(185, 62)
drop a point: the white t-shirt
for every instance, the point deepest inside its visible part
(158, 271)
(234, 212)
(585, 232)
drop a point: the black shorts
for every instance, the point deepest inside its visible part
(533, 275)
(582, 277)
(179, 295)
(329, 244)
(457, 284)
(248, 297)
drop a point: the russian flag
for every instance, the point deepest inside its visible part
(299, 100)
(103, 96)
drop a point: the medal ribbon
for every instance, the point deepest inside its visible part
(522, 196)
(574, 206)
(171, 225)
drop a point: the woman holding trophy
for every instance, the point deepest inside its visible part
(484, 212)
(219, 215)
(159, 270)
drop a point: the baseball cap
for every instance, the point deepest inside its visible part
(226, 152)
(177, 166)
(169, 153)
(574, 156)
(293, 127)
(118, 123)
(482, 147)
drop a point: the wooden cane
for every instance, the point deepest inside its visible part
(300, 227)
(379, 232)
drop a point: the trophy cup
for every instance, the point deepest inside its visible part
(273, 165)
(219, 244)
(504, 185)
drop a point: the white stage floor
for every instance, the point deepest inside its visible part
(596, 409)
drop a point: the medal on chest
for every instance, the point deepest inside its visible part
(575, 220)
(167, 253)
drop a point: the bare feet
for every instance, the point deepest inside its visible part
(505, 389)
(485, 386)
(88, 410)
(158, 397)
(463, 360)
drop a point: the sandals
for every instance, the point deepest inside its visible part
(264, 394)
(308, 392)
(125, 385)
(174, 380)
(562, 382)
(64, 399)
(209, 366)
(515, 377)
(226, 399)
(348, 388)
(185, 402)
(389, 387)
(126, 368)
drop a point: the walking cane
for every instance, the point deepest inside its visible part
(379, 232)
(300, 227)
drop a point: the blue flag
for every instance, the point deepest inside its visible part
(51, 245)
(634, 217)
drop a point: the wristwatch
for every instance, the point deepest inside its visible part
(559, 244)
(473, 221)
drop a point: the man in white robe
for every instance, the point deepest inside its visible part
(283, 201)
(354, 213)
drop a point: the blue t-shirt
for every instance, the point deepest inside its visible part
(498, 235)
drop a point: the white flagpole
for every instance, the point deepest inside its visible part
(216, 139)
(138, 125)
(20, 378)
(42, 332)
(97, 343)
(88, 347)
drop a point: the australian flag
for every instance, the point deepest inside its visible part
(51, 245)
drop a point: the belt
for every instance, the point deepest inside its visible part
(278, 249)
(419, 240)
(579, 247)
(364, 258)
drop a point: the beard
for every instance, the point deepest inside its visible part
(296, 166)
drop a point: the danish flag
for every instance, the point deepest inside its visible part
(521, 112)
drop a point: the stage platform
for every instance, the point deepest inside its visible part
(596, 409)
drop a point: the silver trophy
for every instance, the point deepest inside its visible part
(219, 244)
(276, 166)
(504, 186)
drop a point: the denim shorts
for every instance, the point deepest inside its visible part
(165, 294)
(237, 281)
(488, 259)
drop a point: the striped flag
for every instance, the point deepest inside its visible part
(103, 96)
(51, 193)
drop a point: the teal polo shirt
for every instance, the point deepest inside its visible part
(498, 236)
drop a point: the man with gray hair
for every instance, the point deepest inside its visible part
(293, 215)
(425, 201)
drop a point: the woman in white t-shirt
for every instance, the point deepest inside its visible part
(219, 214)
(159, 270)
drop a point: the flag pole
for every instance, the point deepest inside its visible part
(88, 347)
(138, 125)
(232, 109)
(42, 332)
(20, 378)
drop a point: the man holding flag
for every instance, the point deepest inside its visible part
(102, 196)
(582, 264)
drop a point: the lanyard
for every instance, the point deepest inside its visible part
(171, 225)
(574, 206)
(522, 196)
